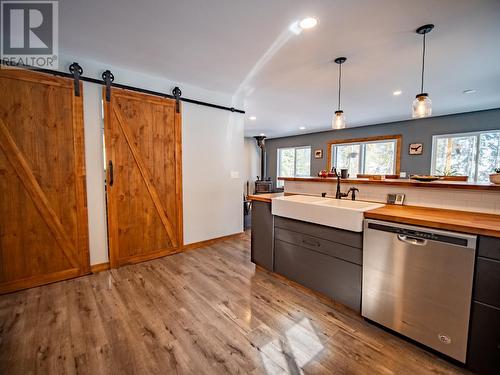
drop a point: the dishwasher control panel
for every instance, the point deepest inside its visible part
(419, 234)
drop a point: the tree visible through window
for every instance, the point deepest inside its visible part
(475, 155)
(370, 157)
(293, 162)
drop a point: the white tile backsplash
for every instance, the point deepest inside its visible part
(455, 199)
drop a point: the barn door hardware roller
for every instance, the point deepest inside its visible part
(108, 78)
(176, 92)
(77, 71)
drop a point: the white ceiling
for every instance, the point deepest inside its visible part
(244, 47)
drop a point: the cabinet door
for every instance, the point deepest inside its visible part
(262, 235)
(484, 340)
(333, 277)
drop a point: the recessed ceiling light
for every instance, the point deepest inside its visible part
(253, 118)
(397, 92)
(308, 23)
(469, 91)
(262, 134)
(302, 128)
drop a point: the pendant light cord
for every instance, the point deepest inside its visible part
(340, 82)
(423, 67)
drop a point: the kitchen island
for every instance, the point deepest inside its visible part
(330, 261)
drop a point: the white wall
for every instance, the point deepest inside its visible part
(96, 201)
(212, 161)
(213, 153)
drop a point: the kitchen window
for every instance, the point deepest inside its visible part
(475, 154)
(374, 155)
(294, 162)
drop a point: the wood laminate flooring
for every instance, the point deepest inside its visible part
(206, 311)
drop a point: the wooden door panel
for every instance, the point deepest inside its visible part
(43, 214)
(144, 203)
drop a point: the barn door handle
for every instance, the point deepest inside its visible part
(111, 174)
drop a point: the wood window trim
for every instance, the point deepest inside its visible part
(396, 137)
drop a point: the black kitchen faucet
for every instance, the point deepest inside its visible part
(339, 194)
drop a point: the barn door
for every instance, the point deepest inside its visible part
(43, 210)
(143, 152)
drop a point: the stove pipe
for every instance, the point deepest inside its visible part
(262, 146)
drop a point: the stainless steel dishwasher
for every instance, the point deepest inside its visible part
(418, 282)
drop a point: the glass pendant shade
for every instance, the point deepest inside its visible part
(338, 120)
(422, 106)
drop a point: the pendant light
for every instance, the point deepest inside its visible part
(422, 105)
(338, 121)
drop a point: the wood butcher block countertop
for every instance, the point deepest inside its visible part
(265, 197)
(458, 221)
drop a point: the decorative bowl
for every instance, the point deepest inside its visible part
(425, 178)
(495, 178)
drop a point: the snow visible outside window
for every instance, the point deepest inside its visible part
(475, 155)
(374, 157)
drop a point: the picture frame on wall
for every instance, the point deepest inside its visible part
(318, 154)
(416, 149)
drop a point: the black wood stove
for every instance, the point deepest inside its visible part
(262, 184)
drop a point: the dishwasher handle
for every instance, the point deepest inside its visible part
(410, 233)
(412, 240)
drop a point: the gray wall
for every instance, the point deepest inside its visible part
(412, 131)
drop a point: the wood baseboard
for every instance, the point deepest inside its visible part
(212, 241)
(196, 245)
(148, 256)
(99, 267)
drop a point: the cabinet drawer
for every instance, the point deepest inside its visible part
(487, 283)
(345, 237)
(338, 250)
(484, 340)
(489, 247)
(333, 277)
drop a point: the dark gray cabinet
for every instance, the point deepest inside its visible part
(262, 237)
(327, 260)
(484, 332)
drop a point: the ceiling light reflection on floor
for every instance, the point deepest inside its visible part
(302, 344)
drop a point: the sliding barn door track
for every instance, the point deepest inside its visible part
(76, 71)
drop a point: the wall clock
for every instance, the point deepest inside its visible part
(416, 148)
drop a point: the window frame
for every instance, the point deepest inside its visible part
(477, 143)
(364, 141)
(278, 157)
